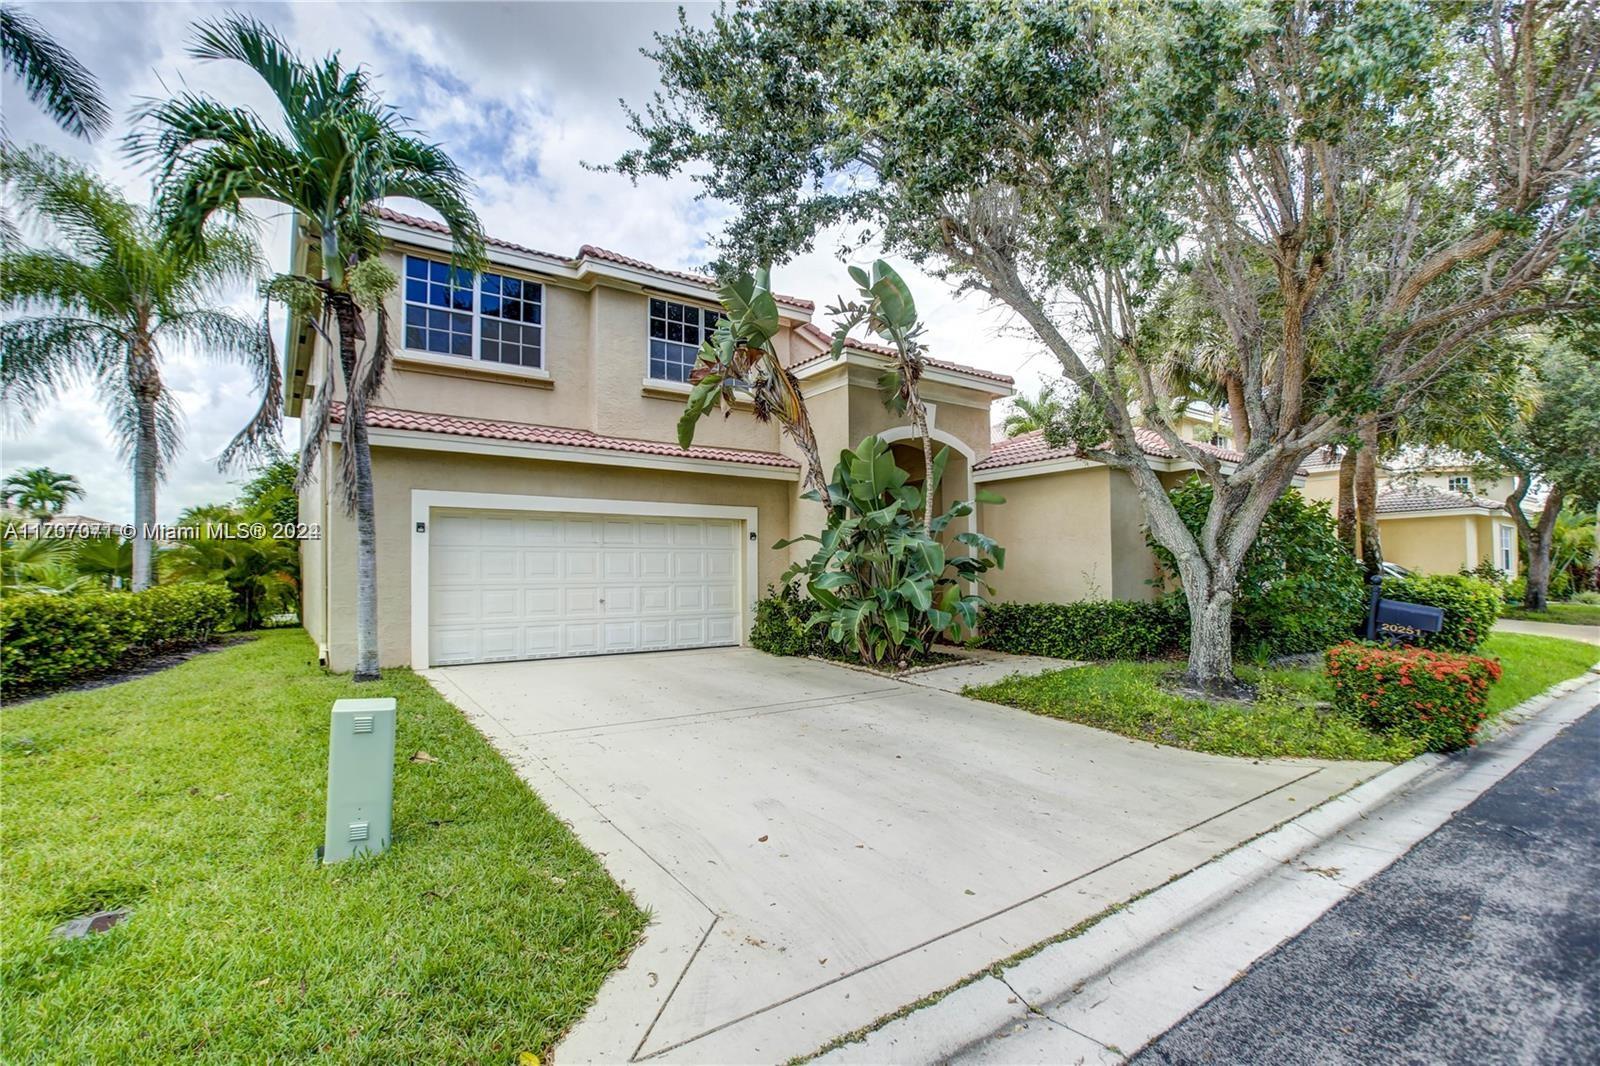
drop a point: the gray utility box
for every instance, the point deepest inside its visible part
(360, 779)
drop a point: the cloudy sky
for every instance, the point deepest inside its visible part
(522, 94)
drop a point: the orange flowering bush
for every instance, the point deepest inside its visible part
(1437, 697)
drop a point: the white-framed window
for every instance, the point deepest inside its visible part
(495, 318)
(1508, 553)
(1460, 483)
(676, 330)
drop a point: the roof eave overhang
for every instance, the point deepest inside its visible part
(424, 440)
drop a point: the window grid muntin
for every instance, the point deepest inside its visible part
(434, 289)
(1461, 483)
(439, 311)
(511, 326)
(675, 333)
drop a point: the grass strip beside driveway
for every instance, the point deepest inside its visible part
(195, 796)
(1288, 720)
(1566, 614)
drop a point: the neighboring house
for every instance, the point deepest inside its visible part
(531, 498)
(1431, 519)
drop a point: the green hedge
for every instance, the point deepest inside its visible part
(49, 641)
(1470, 606)
(1435, 697)
(780, 625)
(1086, 629)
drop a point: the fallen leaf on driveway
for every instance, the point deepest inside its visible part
(422, 756)
(762, 839)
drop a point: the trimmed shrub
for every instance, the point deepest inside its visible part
(1435, 697)
(1299, 589)
(1470, 607)
(781, 619)
(1086, 629)
(50, 641)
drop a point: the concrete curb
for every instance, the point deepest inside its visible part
(1021, 994)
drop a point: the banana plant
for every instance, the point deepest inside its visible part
(885, 306)
(886, 584)
(739, 359)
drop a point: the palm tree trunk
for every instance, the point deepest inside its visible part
(1366, 478)
(1238, 414)
(1347, 499)
(355, 438)
(145, 385)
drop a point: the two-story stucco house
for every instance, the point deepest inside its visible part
(532, 500)
(531, 497)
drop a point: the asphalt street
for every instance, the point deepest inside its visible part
(1481, 945)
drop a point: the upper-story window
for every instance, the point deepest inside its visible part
(493, 317)
(1460, 483)
(513, 321)
(676, 331)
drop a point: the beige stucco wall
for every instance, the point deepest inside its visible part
(1069, 535)
(1322, 485)
(1443, 544)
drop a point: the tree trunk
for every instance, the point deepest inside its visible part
(1238, 414)
(1540, 540)
(1366, 477)
(360, 470)
(145, 384)
(1347, 500)
(1211, 640)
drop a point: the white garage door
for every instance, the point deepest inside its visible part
(519, 585)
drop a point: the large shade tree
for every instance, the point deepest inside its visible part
(105, 301)
(51, 77)
(332, 153)
(1357, 191)
(1550, 441)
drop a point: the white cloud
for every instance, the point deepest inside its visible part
(522, 94)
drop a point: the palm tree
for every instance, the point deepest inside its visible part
(343, 152)
(1029, 413)
(40, 491)
(52, 78)
(105, 303)
(103, 560)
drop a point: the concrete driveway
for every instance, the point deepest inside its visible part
(821, 847)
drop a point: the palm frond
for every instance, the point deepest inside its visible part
(122, 411)
(46, 354)
(52, 78)
(62, 195)
(29, 278)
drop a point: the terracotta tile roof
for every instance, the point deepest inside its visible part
(588, 251)
(391, 215)
(1422, 498)
(826, 340)
(424, 422)
(1033, 448)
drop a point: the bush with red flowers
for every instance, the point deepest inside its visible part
(1436, 697)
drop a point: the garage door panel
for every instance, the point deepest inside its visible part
(541, 564)
(506, 585)
(501, 565)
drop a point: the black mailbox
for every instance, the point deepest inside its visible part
(1399, 620)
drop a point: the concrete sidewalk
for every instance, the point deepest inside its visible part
(1587, 634)
(1106, 993)
(1481, 945)
(821, 847)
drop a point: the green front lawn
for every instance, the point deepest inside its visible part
(1286, 720)
(195, 796)
(1567, 614)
